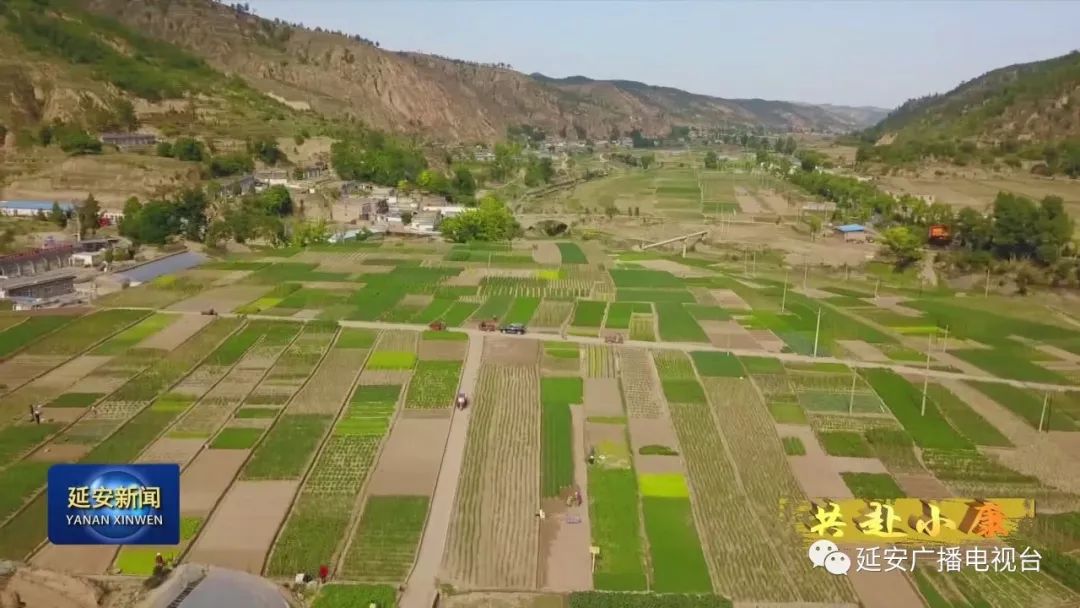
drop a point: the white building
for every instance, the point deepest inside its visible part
(87, 259)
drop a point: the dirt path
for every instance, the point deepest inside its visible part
(420, 588)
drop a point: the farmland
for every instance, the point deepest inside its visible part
(330, 407)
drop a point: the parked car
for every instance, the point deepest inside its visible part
(513, 328)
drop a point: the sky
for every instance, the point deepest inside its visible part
(869, 52)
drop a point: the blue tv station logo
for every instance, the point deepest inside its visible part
(136, 504)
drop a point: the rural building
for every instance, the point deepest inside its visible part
(38, 291)
(852, 232)
(148, 271)
(96, 244)
(32, 208)
(446, 210)
(111, 217)
(272, 177)
(35, 261)
(87, 259)
(129, 140)
(312, 172)
(425, 222)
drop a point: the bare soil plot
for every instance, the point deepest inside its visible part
(768, 341)
(609, 441)
(442, 350)
(102, 385)
(201, 380)
(566, 564)
(416, 300)
(727, 298)
(206, 479)
(168, 450)
(487, 599)
(19, 369)
(238, 536)
(863, 350)
(397, 340)
(511, 351)
(410, 459)
(729, 334)
(493, 541)
(894, 304)
(748, 203)
(602, 397)
(813, 471)
(221, 299)
(658, 464)
(176, 333)
(772, 201)
(652, 431)
(67, 374)
(883, 589)
(61, 414)
(75, 559)
(547, 253)
(640, 383)
(329, 386)
(923, 486)
(853, 464)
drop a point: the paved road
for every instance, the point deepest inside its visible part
(422, 583)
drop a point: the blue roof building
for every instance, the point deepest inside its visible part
(849, 228)
(149, 271)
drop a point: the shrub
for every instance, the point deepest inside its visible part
(656, 450)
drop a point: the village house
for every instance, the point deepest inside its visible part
(32, 208)
(126, 141)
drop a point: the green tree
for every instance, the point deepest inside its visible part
(1053, 229)
(154, 223)
(406, 218)
(507, 160)
(1015, 220)
(276, 200)
(129, 224)
(266, 149)
(464, 181)
(711, 160)
(490, 221)
(189, 149)
(164, 149)
(89, 216)
(189, 211)
(58, 216)
(230, 164)
(973, 230)
(647, 160)
(305, 234)
(902, 245)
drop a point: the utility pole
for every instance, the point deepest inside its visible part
(817, 330)
(986, 294)
(805, 272)
(945, 341)
(877, 286)
(753, 263)
(851, 398)
(783, 297)
(1042, 415)
(926, 376)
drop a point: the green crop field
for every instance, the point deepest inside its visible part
(522, 310)
(613, 500)
(285, 451)
(872, 486)
(130, 337)
(572, 254)
(556, 433)
(1029, 406)
(965, 419)
(589, 314)
(710, 363)
(683, 391)
(391, 360)
(84, 332)
(677, 325)
(236, 439)
(351, 596)
(433, 385)
(678, 564)
(620, 313)
(904, 400)
(844, 443)
(387, 539)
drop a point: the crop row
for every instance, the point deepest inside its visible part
(557, 434)
(433, 384)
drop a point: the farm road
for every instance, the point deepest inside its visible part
(421, 585)
(476, 334)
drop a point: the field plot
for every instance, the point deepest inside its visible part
(678, 325)
(493, 537)
(236, 535)
(678, 565)
(600, 361)
(570, 253)
(614, 511)
(589, 314)
(641, 388)
(443, 346)
(745, 562)
(386, 540)
(15, 337)
(551, 314)
(556, 433)
(331, 382)
(136, 334)
(561, 359)
(433, 385)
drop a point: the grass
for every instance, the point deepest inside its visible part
(387, 538)
(556, 433)
(84, 332)
(717, 364)
(683, 391)
(522, 310)
(845, 443)
(678, 564)
(15, 337)
(572, 254)
(966, 420)
(663, 485)
(495, 307)
(793, 446)
(1028, 406)
(903, 399)
(620, 313)
(285, 451)
(238, 438)
(131, 336)
(76, 400)
(388, 359)
(615, 526)
(352, 596)
(677, 325)
(787, 413)
(872, 485)
(351, 337)
(589, 313)
(433, 385)
(649, 450)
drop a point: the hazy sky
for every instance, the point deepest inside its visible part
(856, 53)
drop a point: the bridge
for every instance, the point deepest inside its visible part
(687, 240)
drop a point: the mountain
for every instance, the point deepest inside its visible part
(1033, 102)
(681, 107)
(438, 97)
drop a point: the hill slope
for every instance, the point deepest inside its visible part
(1037, 101)
(419, 93)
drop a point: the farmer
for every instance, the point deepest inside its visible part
(324, 572)
(159, 561)
(37, 414)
